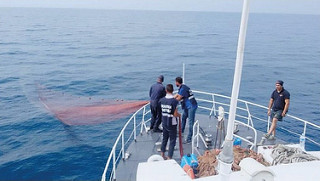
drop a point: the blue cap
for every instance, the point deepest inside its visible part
(279, 82)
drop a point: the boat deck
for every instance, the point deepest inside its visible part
(148, 144)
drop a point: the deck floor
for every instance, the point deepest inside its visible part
(148, 144)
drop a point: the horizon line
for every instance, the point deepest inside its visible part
(163, 10)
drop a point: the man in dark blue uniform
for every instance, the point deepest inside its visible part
(279, 102)
(169, 121)
(189, 106)
(156, 92)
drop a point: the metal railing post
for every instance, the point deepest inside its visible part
(122, 146)
(197, 134)
(193, 136)
(249, 116)
(305, 128)
(213, 109)
(114, 164)
(268, 127)
(143, 124)
(134, 128)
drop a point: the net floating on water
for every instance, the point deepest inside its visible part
(75, 110)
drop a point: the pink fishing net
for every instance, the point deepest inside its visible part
(75, 110)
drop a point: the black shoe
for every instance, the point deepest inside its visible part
(157, 130)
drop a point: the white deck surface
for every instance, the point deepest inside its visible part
(161, 171)
(306, 171)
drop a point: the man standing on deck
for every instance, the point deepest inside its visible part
(189, 106)
(169, 121)
(156, 92)
(279, 102)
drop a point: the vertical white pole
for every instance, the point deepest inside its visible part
(238, 68)
(183, 73)
(226, 156)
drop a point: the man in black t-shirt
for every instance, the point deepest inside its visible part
(279, 102)
(170, 113)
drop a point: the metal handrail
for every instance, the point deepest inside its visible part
(121, 135)
(306, 123)
(254, 143)
(196, 134)
(211, 100)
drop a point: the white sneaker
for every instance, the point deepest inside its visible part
(267, 136)
(271, 137)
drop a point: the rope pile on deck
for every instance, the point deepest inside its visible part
(241, 153)
(208, 161)
(285, 154)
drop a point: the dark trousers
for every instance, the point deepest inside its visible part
(171, 133)
(156, 116)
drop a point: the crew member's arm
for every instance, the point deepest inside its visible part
(176, 113)
(286, 107)
(269, 107)
(178, 97)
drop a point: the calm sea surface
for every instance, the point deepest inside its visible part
(118, 55)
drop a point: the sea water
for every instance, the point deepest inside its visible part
(118, 55)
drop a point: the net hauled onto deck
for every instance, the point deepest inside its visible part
(76, 110)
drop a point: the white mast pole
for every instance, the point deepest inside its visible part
(183, 73)
(226, 156)
(238, 69)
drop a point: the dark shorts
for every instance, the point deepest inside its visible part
(277, 114)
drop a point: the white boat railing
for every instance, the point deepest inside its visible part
(195, 138)
(243, 107)
(114, 155)
(197, 135)
(249, 142)
(247, 113)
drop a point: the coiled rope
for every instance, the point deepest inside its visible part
(284, 154)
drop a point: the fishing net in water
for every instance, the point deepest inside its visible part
(76, 110)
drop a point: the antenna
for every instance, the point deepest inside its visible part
(183, 72)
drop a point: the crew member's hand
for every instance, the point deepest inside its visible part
(283, 114)
(269, 113)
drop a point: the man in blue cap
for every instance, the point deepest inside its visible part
(279, 102)
(157, 91)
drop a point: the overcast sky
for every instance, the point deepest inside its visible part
(263, 6)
